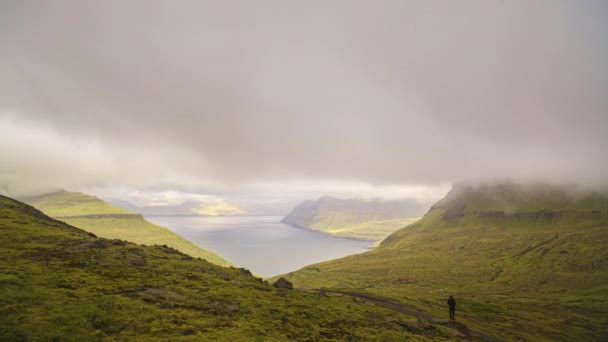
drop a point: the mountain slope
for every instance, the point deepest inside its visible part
(60, 283)
(112, 222)
(523, 261)
(354, 218)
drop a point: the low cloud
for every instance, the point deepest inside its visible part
(218, 209)
(375, 99)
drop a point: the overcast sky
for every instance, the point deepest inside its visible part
(295, 98)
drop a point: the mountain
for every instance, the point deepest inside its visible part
(60, 283)
(239, 207)
(524, 261)
(112, 222)
(354, 218)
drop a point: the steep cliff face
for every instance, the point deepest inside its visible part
(303, 215)
(371, 220)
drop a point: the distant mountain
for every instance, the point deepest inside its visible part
(60, 283)
(193, 207)
(106, 220)
(355, 218)
(182, 209)
(524, 261)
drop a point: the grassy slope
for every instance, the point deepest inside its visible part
(350, 218)
(60, 283)
(64, 203)
(134, 228)
(536, 276)
(368, 230)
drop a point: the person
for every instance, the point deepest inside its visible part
(452, 304)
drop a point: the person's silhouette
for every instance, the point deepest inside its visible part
(452, 304)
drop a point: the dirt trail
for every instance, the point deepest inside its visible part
(397, 307)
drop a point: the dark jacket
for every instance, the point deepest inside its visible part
(452, 302)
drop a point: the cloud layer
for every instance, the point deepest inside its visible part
(210, 96)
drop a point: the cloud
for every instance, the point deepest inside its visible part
(156, 198)
(284, 97)
(220, 208)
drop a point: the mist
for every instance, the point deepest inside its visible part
(298, 99)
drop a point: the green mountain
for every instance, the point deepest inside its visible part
(112, 222)
(525, 262)
(354, 218)
(60, 283)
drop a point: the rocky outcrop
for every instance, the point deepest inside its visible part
(283, 283)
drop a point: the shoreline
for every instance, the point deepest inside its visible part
(336, 236)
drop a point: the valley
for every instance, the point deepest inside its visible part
(303, 171)
(62, 283)
(512, 254)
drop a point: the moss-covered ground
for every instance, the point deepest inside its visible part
(60, 283)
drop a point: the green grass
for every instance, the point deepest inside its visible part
(64, 203)
(142, 231)
(60, 283)
(112, 222)
(540, 278)
(369, 230)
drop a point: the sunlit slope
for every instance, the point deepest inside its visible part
(353, 218)
(60, 283)
(64, 203)
(105, 220)
(524, 261)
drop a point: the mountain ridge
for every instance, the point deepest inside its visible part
(505, 250)
(110, 221)
(354, 218)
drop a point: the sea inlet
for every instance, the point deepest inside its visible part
(261, 244)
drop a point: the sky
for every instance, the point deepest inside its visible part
(277, 100)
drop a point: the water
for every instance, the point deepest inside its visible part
(261, 244)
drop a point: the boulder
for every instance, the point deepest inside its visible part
(283, 283)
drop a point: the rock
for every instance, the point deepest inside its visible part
(283, 283)
(245, 272)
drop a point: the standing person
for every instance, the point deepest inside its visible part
(452, 304)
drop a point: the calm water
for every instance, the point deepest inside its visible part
(261, 243)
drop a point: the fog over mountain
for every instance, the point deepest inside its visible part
(255, 101)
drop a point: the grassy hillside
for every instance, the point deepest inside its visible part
(112, 222)
(370, 230)
(64, 203)
(354, 218)
(523, 261)
(60, 283)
